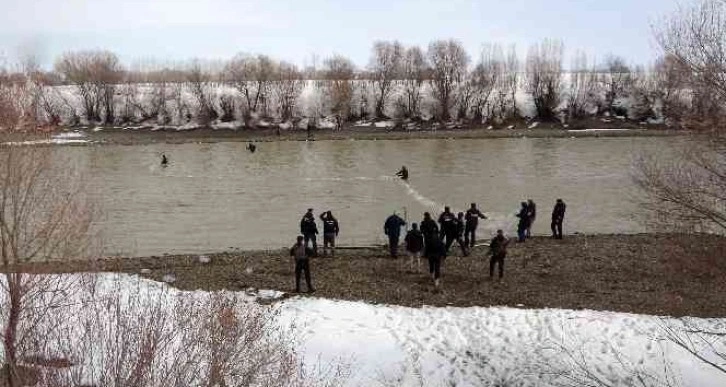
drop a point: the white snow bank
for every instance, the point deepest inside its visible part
(52, 141)
(69, 135)
(481, 346)
(599, 130)
(385, 124)
(392, 345)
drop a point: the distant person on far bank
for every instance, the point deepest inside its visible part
(558, 216)
(403, 173)
(164, 160)
(532, 215)
(392, 229)
(301, 255)
(309, 230)
(251, 147)
(472, 222)
(310, 127)
(330, 232)
(498, 251)
(414, 244)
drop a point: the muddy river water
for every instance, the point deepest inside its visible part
(219, 196)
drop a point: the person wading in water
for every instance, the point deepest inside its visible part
(403, 173)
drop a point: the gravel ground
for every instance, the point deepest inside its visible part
(657, 274)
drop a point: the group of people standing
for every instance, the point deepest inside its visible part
(301, 251)
(528, 213)
(432, 239)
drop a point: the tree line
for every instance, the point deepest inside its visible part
(441, 82)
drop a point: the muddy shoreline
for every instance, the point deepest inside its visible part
(657, 274)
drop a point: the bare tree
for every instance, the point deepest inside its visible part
(95, 74)
(695, 38)
(544, 77)
(686, 190)
(415, 71)
(669, 85)
(253, 76)
(289, 83)
(449, 63)
(43, 216)
(582, 87)
(617, 78)
(385, 68)
(339, 75)
(201, 90)
(484, 79)
(643, 94)
(505, 97)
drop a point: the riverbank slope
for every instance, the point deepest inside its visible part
(658, 274)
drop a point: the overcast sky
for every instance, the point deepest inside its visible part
(294, 30)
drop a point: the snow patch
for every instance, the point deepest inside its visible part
(385, 124)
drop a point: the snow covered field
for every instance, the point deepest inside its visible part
(494, 346)
(396, 346)
(391, 345)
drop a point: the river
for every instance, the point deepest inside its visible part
(219, 196)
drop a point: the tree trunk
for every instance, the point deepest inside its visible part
(15, 298)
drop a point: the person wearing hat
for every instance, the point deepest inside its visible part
(309, 230)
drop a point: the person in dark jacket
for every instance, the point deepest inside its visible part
(330, 232)
(309, 230)
(403, 173)
(447, 224)
(472, 222)
(301, 255)
(429, 229)
(498, 251)
(459, 236)
(309, 128)
(164, 160)
(251, 147)
(532, 214)
(435, 253)
(523, 216)
(558, 216)
(392, 228)
(414, 244)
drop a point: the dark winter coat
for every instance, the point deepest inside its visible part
(330, 226)
(447, 220)
(558, 213)
(435, 248)
(524, 220)
(472, 217)
(414, 241)
(429, 228)
(308, 226)
(498, 245)
(393, 225)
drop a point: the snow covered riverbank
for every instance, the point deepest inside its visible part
(107, 315)
(496, 346)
